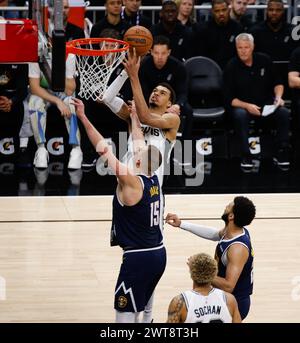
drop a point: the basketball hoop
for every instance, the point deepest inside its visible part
(96, 59)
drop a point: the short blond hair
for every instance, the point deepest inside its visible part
(203, 268)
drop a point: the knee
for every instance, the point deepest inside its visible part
(36, 104)
(240, 115)
(68, 102)
(283, 113)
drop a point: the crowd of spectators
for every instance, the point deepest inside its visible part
(260, 68)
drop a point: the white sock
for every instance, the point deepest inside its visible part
(127, 317)
(41, 145)
(147, 314)
(114, 88)
(24, 142)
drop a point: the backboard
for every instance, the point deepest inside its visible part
(52, 46)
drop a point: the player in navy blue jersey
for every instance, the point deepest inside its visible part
(136, 219)
(234, 252)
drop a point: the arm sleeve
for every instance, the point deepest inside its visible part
(206, 232)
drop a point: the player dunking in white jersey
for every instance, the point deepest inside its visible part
(160, 121)
(203, 304)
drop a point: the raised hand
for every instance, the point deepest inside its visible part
(132, 63)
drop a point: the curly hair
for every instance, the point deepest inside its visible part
(203, 268)
(244, 211)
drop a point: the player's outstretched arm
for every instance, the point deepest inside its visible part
(206, 232)
(111, 100)
(136, 130)
(125, 175)
(177, 310)
(167, 121)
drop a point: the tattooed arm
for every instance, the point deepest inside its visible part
(177, 311)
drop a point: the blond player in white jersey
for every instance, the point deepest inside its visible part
(204, 303)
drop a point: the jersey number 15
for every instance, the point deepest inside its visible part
(154, 213)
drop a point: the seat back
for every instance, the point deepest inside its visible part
(205, 82)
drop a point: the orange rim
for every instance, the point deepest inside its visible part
(74, 46)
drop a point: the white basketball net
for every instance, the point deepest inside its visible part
(95, 71)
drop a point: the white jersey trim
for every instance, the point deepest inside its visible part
(142, 181)
(146, 249)
(231, 239)
(119, 201)
(186, 301)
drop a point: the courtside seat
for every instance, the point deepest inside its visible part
(205, 95)
(205, 90)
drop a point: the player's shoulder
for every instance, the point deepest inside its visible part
(177, 302)
(173, 116)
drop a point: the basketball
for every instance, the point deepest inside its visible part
(140, 38)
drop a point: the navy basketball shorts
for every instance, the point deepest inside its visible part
(139, 274)
(243, 305)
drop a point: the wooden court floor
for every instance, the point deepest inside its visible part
(56, 264)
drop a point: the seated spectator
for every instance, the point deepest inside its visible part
(215, 39)
(161, 67)
(132, 15)
(249, 85)
(10, 3)
(71, 31)
(238, 9)
(39, 102)
(186, 12)
(112, 19)
(180, 37)
(273, 36)
(13, 90)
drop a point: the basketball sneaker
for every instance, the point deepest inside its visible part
(41, 158)
(282, 158)
(75, 159)
(89, 161)
(247, 162)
